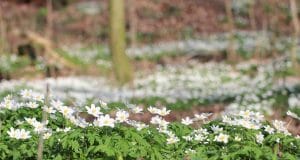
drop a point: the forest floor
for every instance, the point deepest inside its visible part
(86, 22)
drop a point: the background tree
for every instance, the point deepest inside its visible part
(133, 22)
(295, 21)
(251, 12)
(122, 67)
(273, 13)
(2, 33)
(230, 49)
(49, 19)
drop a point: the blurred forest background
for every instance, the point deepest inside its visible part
(84, 24)
(86, 21)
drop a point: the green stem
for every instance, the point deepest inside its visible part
(119, 157)
(0, 127)
(276, 149)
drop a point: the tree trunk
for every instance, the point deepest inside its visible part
(252, 15)
(49, 28)
(273, 25)
(44, 120)
(2, 34)
(296, 34)
(133, 22)
(122, 67)
(230, 49)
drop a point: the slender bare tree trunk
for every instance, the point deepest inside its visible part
(49, 27)
(251, 11)
(122, 66)
(230, 49)
(2, 32)
(273, 25)
(259, 48)
(294, 13)
(44, 119)
(133, 22)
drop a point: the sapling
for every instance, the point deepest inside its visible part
(44, 120)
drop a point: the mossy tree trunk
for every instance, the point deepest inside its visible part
(122, 66)
(294, 13)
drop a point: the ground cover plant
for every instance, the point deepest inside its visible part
(108, 134)
(246, 85)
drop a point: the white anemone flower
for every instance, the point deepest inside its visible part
(18, 133)
(122, 116)
(32, 105)
(49, 110)
(259, 137)
(222, 138)
(30, 121)
(136, 109)
(9, 103)
(47, 135)
(269, 129)
(163, 111)
(56, 104)
(105, 121)
(163, 123)
(156, 120)
(140, 126)
(66, 111)
(187, 138)
(38, 97)
(93, 110)
(67, 129)
(172, 139)
(187, 121)
(202, 116)
(237, 138)
(39, 127)
(26, 93)
(153, 110)
(293, 115)
(246, 114)
(19, 122)
(103, 104)
(12, 133)
(23, 134)
(189, 151)
(216, 129)
(200, 137)
(280, 126)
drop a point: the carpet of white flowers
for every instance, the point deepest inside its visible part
(133, 122)
(116, 135)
